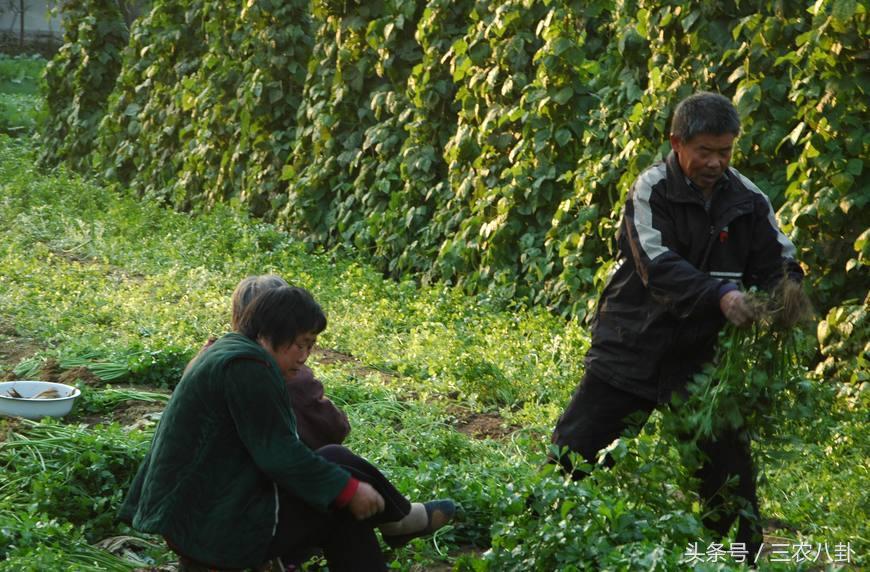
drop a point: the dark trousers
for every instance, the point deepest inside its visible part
(347, 543)
(599, 413)
(396, 506)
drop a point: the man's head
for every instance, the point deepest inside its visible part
(702, 135)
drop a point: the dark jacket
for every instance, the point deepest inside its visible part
(318, 421)
(225, 443)
(658, 318)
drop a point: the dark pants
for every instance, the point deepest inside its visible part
(599, 413)
(347, 543)
(396, 506)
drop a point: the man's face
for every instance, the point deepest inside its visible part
(291, 357)
(704, 158)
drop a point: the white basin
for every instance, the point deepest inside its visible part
(28, 407)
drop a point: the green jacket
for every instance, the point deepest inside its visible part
(227, 440)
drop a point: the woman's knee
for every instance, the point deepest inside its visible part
(336, 453)
(356, 465)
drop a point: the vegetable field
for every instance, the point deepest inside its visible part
(454, 395)
(445, 178)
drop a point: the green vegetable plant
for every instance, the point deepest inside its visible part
(71, 473)
(759, 376)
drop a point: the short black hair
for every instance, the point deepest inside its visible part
(704, 113)
(279, 315)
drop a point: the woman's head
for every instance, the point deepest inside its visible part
(248, 289)
(278, 316)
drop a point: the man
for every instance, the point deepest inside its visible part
(694, 232)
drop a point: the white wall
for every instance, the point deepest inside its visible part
(36, 17)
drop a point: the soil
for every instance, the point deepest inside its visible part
(130, 413)
(13, 349)
(475, 425)
(328, 357)
(114, 271)
(787, 306)
(480, 425)
(8, 425)
(70, 376)
(50, 371)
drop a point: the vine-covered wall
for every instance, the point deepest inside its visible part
(489, 143)
(80, 78)
(204, 108)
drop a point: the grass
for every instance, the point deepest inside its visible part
(20, 75)
(20, 100)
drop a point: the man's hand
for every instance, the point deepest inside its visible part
(736, 309)
(366, 502)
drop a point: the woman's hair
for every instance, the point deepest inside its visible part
(248, 289)
(279, 315)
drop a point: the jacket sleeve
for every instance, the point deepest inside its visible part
(260, 409)
(647, 233)
(318, 421)
(772, 255)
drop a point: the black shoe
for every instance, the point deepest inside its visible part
(438, 513)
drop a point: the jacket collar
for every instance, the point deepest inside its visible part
(679, 188)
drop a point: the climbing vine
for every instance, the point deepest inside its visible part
(80, 78)
(484, 143)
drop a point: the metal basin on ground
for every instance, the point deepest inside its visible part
(29, 405)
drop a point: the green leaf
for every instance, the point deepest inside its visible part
(642, 22)
(843, 10)
(690, 19)
(842, 182)
(862, 244)
(796, 133)
(275, 95)
(855, 167)
(790, 57)
(562, 45)
(747, 98)
(563, 95)
(461, 68)
(804, 38)
(737, 74)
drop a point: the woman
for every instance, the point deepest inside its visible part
(323, 427)
(227, 481)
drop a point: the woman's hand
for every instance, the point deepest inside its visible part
(366, 502)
